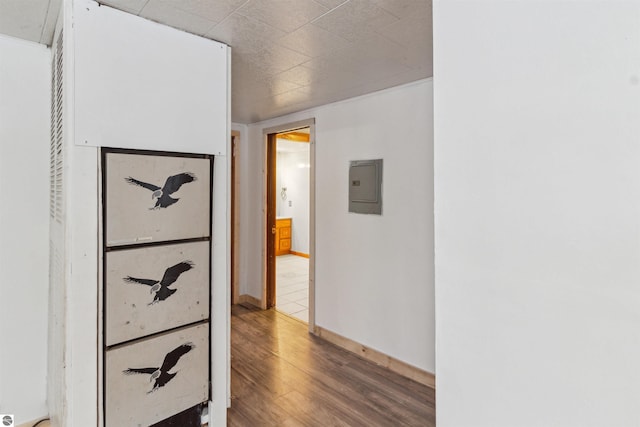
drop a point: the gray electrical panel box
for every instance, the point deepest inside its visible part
(365, 186)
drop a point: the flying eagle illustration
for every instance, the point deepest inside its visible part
(171, 185)
(162, 375)
(161, 288)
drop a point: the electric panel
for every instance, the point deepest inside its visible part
(365, 186)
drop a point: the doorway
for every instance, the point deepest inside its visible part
(290, 231)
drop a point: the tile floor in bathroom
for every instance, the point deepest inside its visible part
(292, 286)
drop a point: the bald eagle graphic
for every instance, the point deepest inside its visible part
(161, 375)
(161, 287)
(171, 185)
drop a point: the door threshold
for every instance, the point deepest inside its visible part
(291, 316)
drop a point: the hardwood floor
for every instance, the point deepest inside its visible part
(283, 376)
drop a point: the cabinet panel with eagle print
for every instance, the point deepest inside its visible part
(155, 378)
(155, 288)
(155, 198)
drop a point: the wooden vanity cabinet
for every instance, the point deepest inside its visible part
(283, 236)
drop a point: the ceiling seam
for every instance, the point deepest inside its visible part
(328, 12)
(142, 8)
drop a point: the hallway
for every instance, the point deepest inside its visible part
(283, 376)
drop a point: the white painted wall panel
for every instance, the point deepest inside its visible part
(220, 307)
(374, 274)
(537, 199)
(125, 102)
(24, 226)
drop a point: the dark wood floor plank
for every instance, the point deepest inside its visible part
(283, 376)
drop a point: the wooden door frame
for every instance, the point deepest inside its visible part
(269, 271)
(269, 296)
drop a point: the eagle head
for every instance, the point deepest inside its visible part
(155, 375)
(157, 194)
(155, 288)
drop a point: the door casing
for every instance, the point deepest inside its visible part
(269, 264)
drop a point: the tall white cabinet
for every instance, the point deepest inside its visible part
(126, 83)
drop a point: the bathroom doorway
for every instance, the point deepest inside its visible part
(292, 223)
(289, 286)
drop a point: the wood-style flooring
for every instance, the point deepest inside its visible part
(283, 376)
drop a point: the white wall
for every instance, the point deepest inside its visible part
(24, 226)
(247, 211)
(374, 274)
(537, 202)
(250, 167)
(292, 172)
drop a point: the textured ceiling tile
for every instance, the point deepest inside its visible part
(295, 96)
(395, 80)
(213, 10)
(404, 8)
(243, 34)
(258, 89)
(242, 67)
(313, 78)
(380, 47)
(341, 49)
(301, 75)
(267, 108)
(426, 61)
(362, 57)
(23, 19)
(131, 6)
(332, 61)
(408, 30)
(165, 12)
(275, 59)
(332, 88)
(313, 41)
(276, 87)
(287, 15)
(384, 67)
(330, 4)
(326, 92)
(365, 62)
(355, 20)
(240, 114)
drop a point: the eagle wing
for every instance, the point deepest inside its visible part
(174, 182)
(148, 282)
(171, 274)
(146, 185)
(174, 355)
(132, 371)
